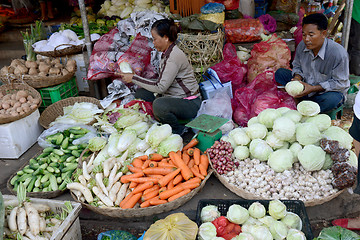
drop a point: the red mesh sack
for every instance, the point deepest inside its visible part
(243, 30)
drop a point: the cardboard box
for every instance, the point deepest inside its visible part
(18, 136)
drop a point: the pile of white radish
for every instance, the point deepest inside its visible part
(26, 220)
(100, 185)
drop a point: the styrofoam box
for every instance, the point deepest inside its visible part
(81, 73)
(18, 136)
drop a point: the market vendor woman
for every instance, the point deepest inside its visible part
(177, 90)
(320, 64)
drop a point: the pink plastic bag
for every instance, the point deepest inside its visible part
(268, 55)
(257, 96)
(231, 68)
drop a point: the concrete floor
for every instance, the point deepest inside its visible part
(345, 205)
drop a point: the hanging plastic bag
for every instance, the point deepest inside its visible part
(268, 55)
(176, 226)
(243, 30)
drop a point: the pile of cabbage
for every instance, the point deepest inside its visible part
(255, 223)
(133, 133)
(66, 38)
(123, 8)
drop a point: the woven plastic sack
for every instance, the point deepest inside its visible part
(231, 68)
(243, 30)
(229, 4)
(268, 55)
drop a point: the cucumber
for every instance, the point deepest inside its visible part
(37, 182)
(45, 184)
(19, 173)
(36, 189)
(70, 159)
(59, 180)
(73, 147)
(32, 161)
(48, 150)
(62, 185)
(53, 184)
(43, 166)
(28, 170)
(50, 169)
(58, 152)
(31, 184)
(27, 181)
(39, 171)
(65, 143)
(45, 189)
(44, 154)
(75, 153)
(45, 178)
(12, 181)
(34, 166)
(54, 164)
(24, 177)
(57, 170)
(59, 139)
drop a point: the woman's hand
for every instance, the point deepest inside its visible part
(126, 77)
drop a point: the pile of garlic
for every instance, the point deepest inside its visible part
(259, 179)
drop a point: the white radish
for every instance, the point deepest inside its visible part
(117, 177)
(41, 207)
(102, 197)
(13, 202)
(33, 218)
(121, 194)
(30, 235)
(42, 224)
(90, 163)
(111, 176)
(107, 165)
(21, 220)
(55, 221)
(40, 238)
(114, 190)
(12, 220)
(82, 180)
(25, 238)
(46, 234)
(99, 181)
(84, 190)
(123, 157)
(85, 172)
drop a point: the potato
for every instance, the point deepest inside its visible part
(30, 98)
(33, 71)
(2, 112)
(14, 114)
(42, 74)
(55, 61)
(17, 104)
(27, 104)
(47, 61)
(14, 63)
(33, 106)
(64, 71)
(70, 68)
(11, 70)
(13, 96)
(19, 109)
(1, 95)
(54, 71)
(22, 100)
(30, 64)
(26, 109)
(36, 101)
(71, 62)
(21, 93)
(44, 68)
(4, 70)
(22, 69)
(6, 97)
(58, 65)
(5, 105)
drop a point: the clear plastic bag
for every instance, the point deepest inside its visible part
(62, 127)
(219, 105)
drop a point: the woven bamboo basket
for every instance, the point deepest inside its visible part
(57, 109)
(70, 50)
(247, 195)
(37, 81)
(19, 21)
(13, 87)
(202, 50)
(50, 194)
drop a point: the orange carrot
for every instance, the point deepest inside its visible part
(145, 204)
(190, 185)
(141, 187)
(185, 170)
(143, 157)
(155, 201)
(145, 164)
(204, 160)
(144, 179)
(159, 170)
(133, 185)
(178, 153)
(197, 156)
(191, 181)
(155, 175)
(178, 179)
(191, 144)
(190, 151)
(191, 163)
(185, 157)
(180, 194)
(170, 185)
(149, 195)
(171, 162)
(155, 157)
(168, 177)
(170, 192)
(126, 199)
(126, 178)
(195, 171)
(134, 169)
(203, 169)
(162, 189)
(153, 188)
(163, 164)
(153, 164)
(164, 160)
(137, 162)
(130, 203)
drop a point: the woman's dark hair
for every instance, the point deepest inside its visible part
(166, 27)
(317, 19)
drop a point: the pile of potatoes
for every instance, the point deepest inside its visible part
(17, 103)
(41, 67)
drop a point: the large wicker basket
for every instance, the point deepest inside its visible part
(37, 81)
(247, 195)
(57, 109)
(13, 87)
(202, 50)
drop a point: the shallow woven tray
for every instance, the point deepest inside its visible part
(51, 194)
(13, 87)
(144, 212)
(246, 195)
(57, 109)
(70, 50)
(37, 81)
(17, 21)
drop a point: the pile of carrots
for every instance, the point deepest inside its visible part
(155, 179)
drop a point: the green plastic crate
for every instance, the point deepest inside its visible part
(56, 93)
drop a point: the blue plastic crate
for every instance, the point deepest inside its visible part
(260, 10)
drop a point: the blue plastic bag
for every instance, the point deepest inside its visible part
(212, 8)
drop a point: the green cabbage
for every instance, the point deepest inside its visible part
(328, 162)
(259, 149)
(239, 136)
(252, 221)
(237, 214)
(312, 158)
(256, 130)
(125, 67)
(257, 210)
(353, 160)
(308, 108)
(284, 128)
(267, 220)
(207, 231)
(279, 230)
(97, 143)
(281, 160)
(293, 115)
(294, 88)
(261, 233)
(322, 121)
(252, 121)
(283, 110)
(273, 141)
(339, 134)
(277, 209)
(268, 116)
(241, 152)
(173, 143)
(307, 133)
(335, 233)
(295, 148)
(294, 234)
(209, 213)
(244, 236)
(230, 140)
(292, 220)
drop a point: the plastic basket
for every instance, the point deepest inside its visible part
(294, 206)
(51, 95)
(260, 10)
